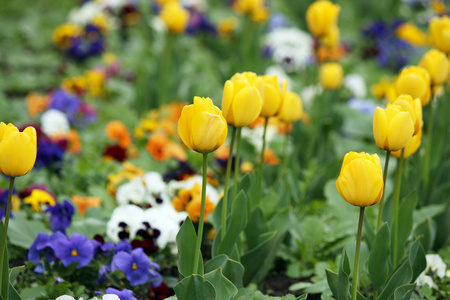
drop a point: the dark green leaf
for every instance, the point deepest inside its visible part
(256, 226)
(343, 274)
(404, 292)
(13, 294)
(186, 240)
(14, 272)
(427, 233)
(401, 276)
(378, 258)
(332, 279)
(231, 269)
(194, 287)
(405, 222)
(224, 288)
(417, 259)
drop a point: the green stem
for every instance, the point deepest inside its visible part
(5, 228)
(227, 182)
(358, 246)
(285, 150)
(380, 211)
(261, 160)
(395, 205)
(202, 216)
(236, 163)
(426, 174)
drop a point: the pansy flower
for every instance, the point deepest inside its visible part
(135, 266)
(42, 246)
(60, 216)
(124, 294)
(76, 249)
(39, 197)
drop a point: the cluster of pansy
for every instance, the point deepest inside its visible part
(393, 44)
(105, 257)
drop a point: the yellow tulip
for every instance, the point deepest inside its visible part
(202, 126)
(360, 182)
(411, 147)
(331, 76)
(272, 96)
(331, 39)
(437, 65)
(321, 16)
(414, 107)
(414, 81)
(17, 150)
(292, 108)
(392, 127)
(440, 33)
(411, 34)
(175, 16)
(242, 99)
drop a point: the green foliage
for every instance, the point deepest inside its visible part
(185, 239)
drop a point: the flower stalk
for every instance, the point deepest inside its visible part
(5, 228)
(395, 205)
(227, 182)
(358, 246)
(236, 163)
(202, 216)
(380, 211)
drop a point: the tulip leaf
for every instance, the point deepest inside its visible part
(332, 279)
(235, 223)
(417, 259)
(5, 270)
(231, 269)
(194, 287)
(402, 275)
(186, 238)
(427, 231)
(404, 292)
(256, 226)
(13, 294)
(254, 260)
(342, 280)
(405, 222)
(14, 272)
(378, 258)
(225, 289)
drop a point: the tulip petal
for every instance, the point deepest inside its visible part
(246, 106)
(227, 100)
(208, 129)
(17, 154)
(380, 128)
(401, 129)
(184, 125)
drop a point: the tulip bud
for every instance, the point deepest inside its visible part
(321, 16)
(414, 107)
(272, 96)
(411, 147)
(17, 150)
(242, 99)
(360, 182)
(292, 108)
(175, 16)
(437, 65)
(331, 76)
(414, 81)
(392, 127)
(439, 29)
(201, 126)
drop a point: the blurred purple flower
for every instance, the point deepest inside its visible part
(66, 103)
(60, 216)
(42, 247)
(4, 202)
(123, 294)
(136, 266)
(124, 246)
(77, 249)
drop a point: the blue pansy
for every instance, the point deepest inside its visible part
(60, 216)
(76, 249)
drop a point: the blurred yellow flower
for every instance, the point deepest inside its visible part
(273, 98)
(437, 65)
(227, 26)
(414, 107)
(411, 34)
(439, 28)
(331, 76)
(37, 198)
(95, 80)
(321, 17)
(411, 147)
(414, 81)
(62, 36)
(175, 16)
(75, 85)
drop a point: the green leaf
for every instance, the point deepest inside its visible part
(22, 232)
(404, 292)
(32, 293)
(248, 294)
(5, 270)
(401, 276)
(236, 223)
(428, 211)
(405, 222)
(186, 240)
(417, 259)
(378, 258)
(343, 275)
(224, 288)
(313, 231)
(332, 279)
(256, 226)
(255, 258)
(194, 287)
(13, 294)
(427, 233)
(14, 272)
(88, 227)
(231, 269)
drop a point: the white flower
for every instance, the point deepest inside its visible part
(54, 122)
(436, 265)
(173, 187)
(156, 189)
(67, 297)
(254, 136)
(85, 13)
(131, 192)
(309, 93)
(356, 84)
(124, 219)
(292, 48)
(425, 279)
(110, 297)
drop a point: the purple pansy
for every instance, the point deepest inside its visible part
(66, 103)
(124, 246)
(60, 216)
(4, 202)
(77, 249)
(135, 266)
(123, 294)
(42, 245)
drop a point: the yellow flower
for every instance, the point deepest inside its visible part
(331, 39)
(440, 33)
(414, 107)
(17, 150)
(39, 197)
(95, 80)
(360, 182)
(411, 147)
(62, 36)
(175, 16)
(75, 84)
(321, 16)
(384, 89)
(227, 26)
(242, 99)
(260, 14)
(392, 127)
(411, 34)
(202, 126)
(414, 81)
(272, 96)
(292, 108)
(437, 65)
(331, 76)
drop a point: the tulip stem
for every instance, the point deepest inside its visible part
(227, 182)
(236, 163)
(261, 161)
(380, 211)
(5, 229)
(201, 221)
(395, 204)
(358, 246)
(427, 174)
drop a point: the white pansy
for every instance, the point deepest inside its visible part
(436, 265)
(110, 297)
(67, 297)
(130, 216)
(131, 192)
(356, 84)
(173, 187)
(155, 189)
(54, 122)
(292, 48)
